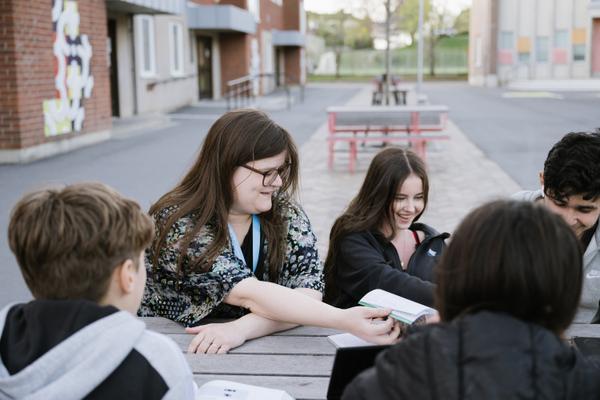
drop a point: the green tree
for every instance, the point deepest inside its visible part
(407, 16)
(341, 30)
(461, 23)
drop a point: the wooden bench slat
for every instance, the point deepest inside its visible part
(166, 326)
(261, 364)
(281, 344)
(387, 138)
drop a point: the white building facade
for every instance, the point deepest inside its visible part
(514, 40)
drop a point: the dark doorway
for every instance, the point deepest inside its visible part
(114, 76)
(205, 67)
(279, 79)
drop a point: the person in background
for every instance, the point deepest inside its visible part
(570, 187)
(232, 242)
(377, 242)
(508, 288)
(80, 249)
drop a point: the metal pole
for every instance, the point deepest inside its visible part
(420, 50)
(386, 92)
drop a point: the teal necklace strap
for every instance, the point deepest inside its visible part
(237, 249)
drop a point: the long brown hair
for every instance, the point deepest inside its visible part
(236, 138)
(372, 208)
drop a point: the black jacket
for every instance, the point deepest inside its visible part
(487, 356)
(367, 261)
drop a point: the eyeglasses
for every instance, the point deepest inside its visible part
(271, 175)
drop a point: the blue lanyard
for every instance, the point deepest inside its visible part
(237, 249)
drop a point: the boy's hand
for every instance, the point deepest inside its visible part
(216, 338)
(367, 323)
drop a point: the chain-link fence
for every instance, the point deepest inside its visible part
(404, 62)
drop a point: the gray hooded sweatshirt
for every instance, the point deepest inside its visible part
(61, 349)
(590, 294)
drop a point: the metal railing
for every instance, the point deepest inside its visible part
(240, 91)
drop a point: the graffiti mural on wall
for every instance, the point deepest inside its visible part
(73, 79)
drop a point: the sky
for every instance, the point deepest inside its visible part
(329, 6)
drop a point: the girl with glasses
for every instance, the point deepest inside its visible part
(231, 242)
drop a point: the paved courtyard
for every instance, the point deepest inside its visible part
(487, 156)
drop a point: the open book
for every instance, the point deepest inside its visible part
(228, 390)
(406, 311)
(403, 310)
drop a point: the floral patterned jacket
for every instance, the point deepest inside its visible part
(188, 299)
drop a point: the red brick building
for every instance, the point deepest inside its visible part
(68, 67)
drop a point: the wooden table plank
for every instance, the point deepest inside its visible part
(583, 330)
(261, 364)
(301, 388)
(165, 326)
(310, 345)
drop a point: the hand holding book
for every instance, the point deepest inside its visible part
(406, 311)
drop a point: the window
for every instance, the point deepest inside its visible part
(524, 49)
(579, 52)
(561, 39)
(506, 41)
(578, 37)
(176, 48)
(145, 36)
(524, 58)
(541, 49)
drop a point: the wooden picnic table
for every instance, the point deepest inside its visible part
(298, 360)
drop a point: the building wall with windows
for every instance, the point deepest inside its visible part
(70, 66)
(167, 76)
(535, 39)
(272, 47)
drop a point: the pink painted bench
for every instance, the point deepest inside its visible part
(355, 125)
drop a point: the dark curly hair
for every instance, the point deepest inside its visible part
(573, 167)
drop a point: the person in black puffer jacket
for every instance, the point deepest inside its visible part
(508, 287)
(377, 243)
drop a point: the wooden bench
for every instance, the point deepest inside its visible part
(355, 125)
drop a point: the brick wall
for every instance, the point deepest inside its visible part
(237, 3)
(271, 16)
(291, 15)
(9, 123)
(28, 67)
(235, 57)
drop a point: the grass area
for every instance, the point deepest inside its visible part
(454, 42)
(459, 42)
